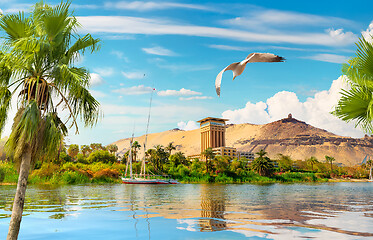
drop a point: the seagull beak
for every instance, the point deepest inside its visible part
(234, 78)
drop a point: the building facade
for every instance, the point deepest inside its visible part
(212, 132)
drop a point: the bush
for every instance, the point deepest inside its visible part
(46, 170)
(106, 175)
(71, 177)
(101, 156)
(2, 174)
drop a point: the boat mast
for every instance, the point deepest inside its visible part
(147, 131)
(129, 158)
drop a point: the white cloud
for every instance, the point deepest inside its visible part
(278, 18)
(135, 90)
(149, 6)
(159, 51)
(105, 72)
(340, 36)
(332, 58)
(97, 94)
(137, 25)
(195, 98)
(181, 92)
(368, 34)
(190, 125)
(96, 79)
(133, 75)
(315, 110)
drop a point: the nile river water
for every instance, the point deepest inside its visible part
(194, 211)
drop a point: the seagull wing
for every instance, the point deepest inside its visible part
(220, 75)
(263, 57)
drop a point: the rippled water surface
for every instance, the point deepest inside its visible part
(194, 211)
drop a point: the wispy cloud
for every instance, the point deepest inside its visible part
(270, 18)
(136, 25)
(332, 58)
(119, 55)
(133, 75)
(151, 6)
(105, 72)
(161, 51)
(135, 90)
(181, 92)
(195, 98)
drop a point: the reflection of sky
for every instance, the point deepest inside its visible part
(195, 211)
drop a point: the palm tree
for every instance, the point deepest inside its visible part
(170, 147)
(330, 160)
(262, 164)
(85, 149)
(312, 161)
(73, 150)
(37, 62)
(209, 155)
(135, 147)
(112, 148)
(355, 103)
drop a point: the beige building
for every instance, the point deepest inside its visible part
(213, 136)
(212, 132)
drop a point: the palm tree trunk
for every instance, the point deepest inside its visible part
(19, 199)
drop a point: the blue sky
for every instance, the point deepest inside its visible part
(180, 46)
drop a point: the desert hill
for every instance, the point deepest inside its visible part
(288, 136)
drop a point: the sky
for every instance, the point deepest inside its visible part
(178, 48)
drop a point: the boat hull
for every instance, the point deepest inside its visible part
(147, 181)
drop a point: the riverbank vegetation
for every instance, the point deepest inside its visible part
(96, 163)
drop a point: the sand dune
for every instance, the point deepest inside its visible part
(287, 136)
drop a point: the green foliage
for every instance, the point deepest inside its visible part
(356, 102)
(101, 156)
(262, 164)
(285, 163)
(2, 174)
(73, 150)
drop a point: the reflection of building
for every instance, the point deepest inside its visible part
(212, 209)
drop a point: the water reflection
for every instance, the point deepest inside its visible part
(340, 210)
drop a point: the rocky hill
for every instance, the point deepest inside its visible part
(288, 136)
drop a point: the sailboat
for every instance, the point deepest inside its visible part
(143, 178)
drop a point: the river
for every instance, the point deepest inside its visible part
(194, 211)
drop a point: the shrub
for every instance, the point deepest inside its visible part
(46, 170)
(2, 174)
(101, 156)
(71, 177)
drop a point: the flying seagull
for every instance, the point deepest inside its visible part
(238, 67)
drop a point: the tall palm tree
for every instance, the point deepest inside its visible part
(135, 147)
(37, 67)
(170, 147)
(355, 103)
(312, 161)
(209, 155)
(330, 160)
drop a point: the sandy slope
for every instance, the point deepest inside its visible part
(286, 136)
